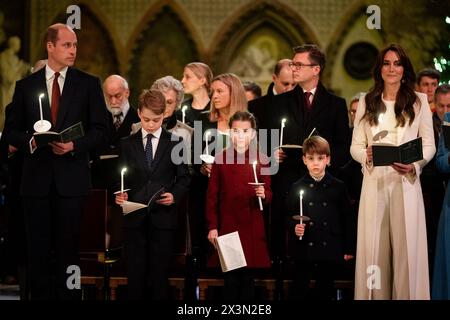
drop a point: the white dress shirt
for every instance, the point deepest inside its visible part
(155, 139)
(313, 93)
(49, 77)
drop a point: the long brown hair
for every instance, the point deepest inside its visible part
(406, 96)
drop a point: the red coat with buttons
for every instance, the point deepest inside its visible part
(232, 205)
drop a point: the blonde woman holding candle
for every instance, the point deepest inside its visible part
(233, 203)
(228, 96)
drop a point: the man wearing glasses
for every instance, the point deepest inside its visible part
(309, 105)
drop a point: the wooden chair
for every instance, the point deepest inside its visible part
(100, 241)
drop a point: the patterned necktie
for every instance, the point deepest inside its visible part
(307, 100)
(56, 93)
(149, 150)
(117, 120)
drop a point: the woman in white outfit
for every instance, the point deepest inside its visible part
(391, 257)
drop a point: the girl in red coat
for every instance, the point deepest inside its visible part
(232, 203)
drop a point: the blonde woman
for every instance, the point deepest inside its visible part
(228, 97)
(196, 81)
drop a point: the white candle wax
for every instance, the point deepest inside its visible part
(122, 173)
(207, 141)
(301, 203)
(254, 172)
(281, 133)
(40, 108)
(301, 209)
(256, 181)
(183, 111)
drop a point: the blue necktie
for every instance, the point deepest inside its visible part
(149, 150)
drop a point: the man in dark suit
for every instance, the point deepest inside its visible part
(11, 161)
(153, 161)
(56, 178)
(282, 81)
(116, 91)
(121, 116)
(309, 105)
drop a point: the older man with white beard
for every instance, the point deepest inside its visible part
(105, 170)
(116, 92)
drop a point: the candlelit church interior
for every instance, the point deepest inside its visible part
(125, 54)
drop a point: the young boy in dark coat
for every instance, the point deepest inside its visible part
(153, 161)
(321, 244)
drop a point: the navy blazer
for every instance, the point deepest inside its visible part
(144, 181)
(81, 100)
(331, 232)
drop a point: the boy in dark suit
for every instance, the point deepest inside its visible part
(152, 159)
(328, 239)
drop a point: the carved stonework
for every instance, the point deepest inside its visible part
(209, 15)
(96, 54)
(255, 40)
(156, 54)
(125, 15)
(323, 15)
(209, 18)
(222, 32)
(43, 14)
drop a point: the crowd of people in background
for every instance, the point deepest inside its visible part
(292, 171)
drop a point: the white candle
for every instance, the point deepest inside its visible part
(256, 181)
(122, 173)
(301, 209)
(254, 171)
(40, 108)
(281, 134)
(301, 203)
(207, 141)
(183, 111)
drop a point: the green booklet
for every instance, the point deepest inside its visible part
(69, 134)
(386, 154)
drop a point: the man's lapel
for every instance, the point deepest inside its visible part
(297, 105)
(318, 106)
